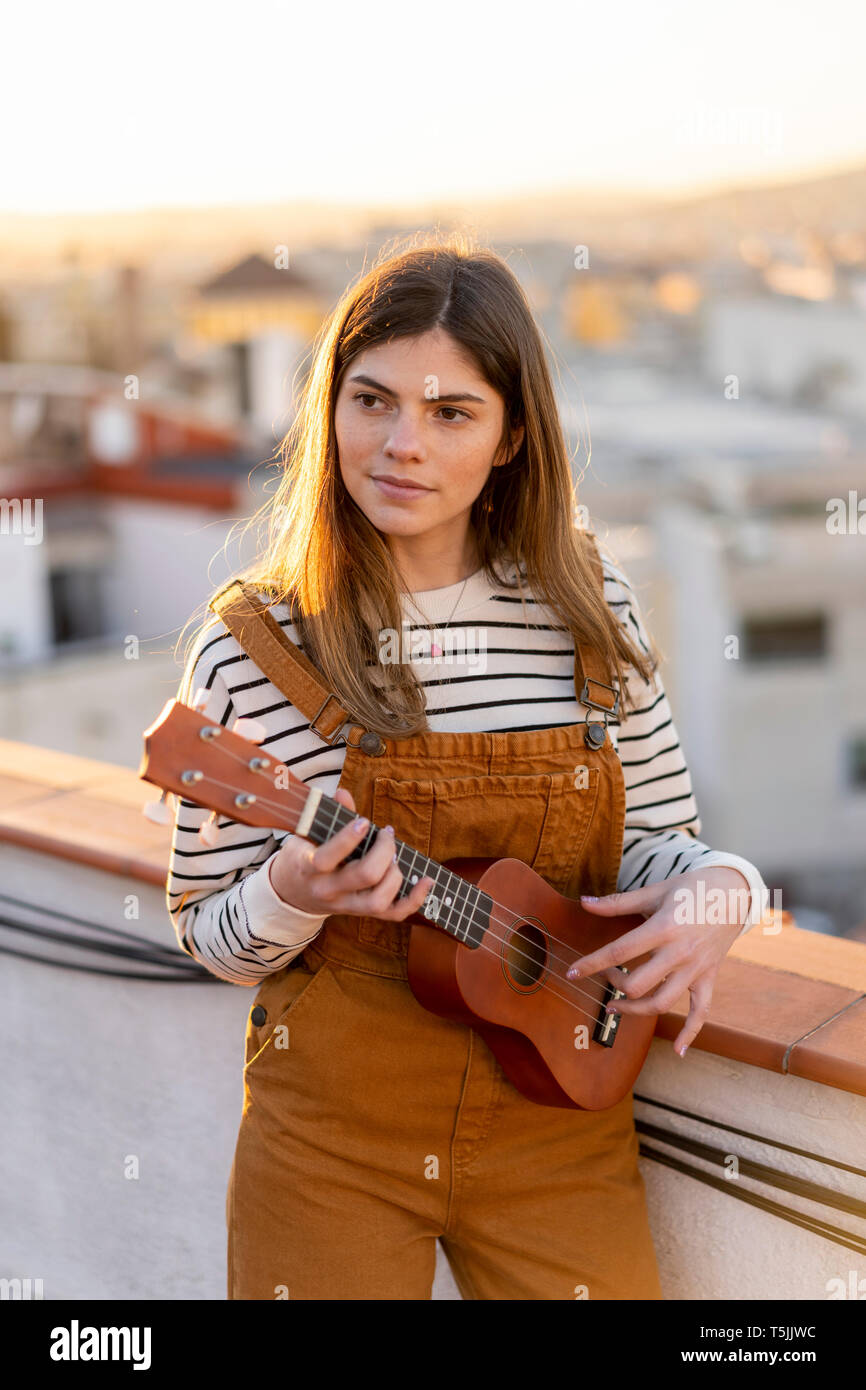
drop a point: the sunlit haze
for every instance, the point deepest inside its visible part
(124, 107)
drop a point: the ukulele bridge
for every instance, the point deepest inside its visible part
(607, 1025)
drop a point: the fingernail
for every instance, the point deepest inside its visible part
(572, 972)
(390, 827)
(586, 898)
(360, 824)
(683, 1050)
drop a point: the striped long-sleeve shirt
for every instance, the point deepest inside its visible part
(495, 673)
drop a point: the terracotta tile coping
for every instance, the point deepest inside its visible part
(792, 1001)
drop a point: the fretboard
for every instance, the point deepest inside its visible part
(452, 903)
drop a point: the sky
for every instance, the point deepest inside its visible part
(182, 103)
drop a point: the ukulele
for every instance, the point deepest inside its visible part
(490, 945)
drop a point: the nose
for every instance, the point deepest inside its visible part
(404, 440)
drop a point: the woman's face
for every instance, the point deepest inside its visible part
(416, 410)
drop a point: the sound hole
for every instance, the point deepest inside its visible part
(525, 955)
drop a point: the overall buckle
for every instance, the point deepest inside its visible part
(330, 739)
(369, 742)
(595, 734)
(593, 704)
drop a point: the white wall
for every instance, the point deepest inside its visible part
(786, 724)
(273, 359)
(98, 1069)
(95, 704)
(771, 343)
(166, 559)
(25, 610)
(690, 554)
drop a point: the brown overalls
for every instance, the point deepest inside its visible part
(370, 1126)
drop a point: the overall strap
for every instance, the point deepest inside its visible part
(259, 634)
(257, 631)
(592, 678)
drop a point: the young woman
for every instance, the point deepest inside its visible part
(427, 492)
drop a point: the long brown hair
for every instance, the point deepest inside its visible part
(333, 567)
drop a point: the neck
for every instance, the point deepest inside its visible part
(453, 903)
(429, 567)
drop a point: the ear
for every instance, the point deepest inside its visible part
(516, 441)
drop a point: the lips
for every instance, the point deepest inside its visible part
(399, 489)
(399, 482)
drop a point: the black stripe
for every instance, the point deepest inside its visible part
(678, 772)
(494, 676)
(636, 738)
(215, 849)
(669, 801)
(642, 762)
(494, 704)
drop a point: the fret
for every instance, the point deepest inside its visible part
(482, 916)
(366, 843)
(463, 908)
(447, 890)
(329, 819)
(452, 903)
(418, 867)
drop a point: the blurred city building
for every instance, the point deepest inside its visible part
(714, 405)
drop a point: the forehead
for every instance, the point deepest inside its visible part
(404, 358)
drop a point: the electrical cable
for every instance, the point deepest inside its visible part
(168, 964)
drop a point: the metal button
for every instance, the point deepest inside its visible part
(258, 1016)
(595, 735)
(371, 744)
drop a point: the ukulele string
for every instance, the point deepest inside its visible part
(492, 917)
(491, 936)
(507, 922)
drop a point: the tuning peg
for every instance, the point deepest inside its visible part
(200, 700)
(251, 729)
(158, 811)
(208, 832)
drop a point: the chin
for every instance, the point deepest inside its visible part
(391, 526)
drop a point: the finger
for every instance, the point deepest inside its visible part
(345, 798)
(659, 1001)
(644, 900)
(654, 932)
(330, 855)
(701, 992)
(332, 880)
(377, 900)
(368, 871)
(638, 983)
(404, 907)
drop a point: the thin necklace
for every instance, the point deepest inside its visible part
(435, 649)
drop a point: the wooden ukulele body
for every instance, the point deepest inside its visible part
(512, 989)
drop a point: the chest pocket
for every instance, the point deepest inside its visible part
(541, 818)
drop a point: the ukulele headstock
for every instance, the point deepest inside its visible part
(201, 761)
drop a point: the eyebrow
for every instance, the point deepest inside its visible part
(454, 396)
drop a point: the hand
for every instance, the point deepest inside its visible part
(685, 953)
(313, 880)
